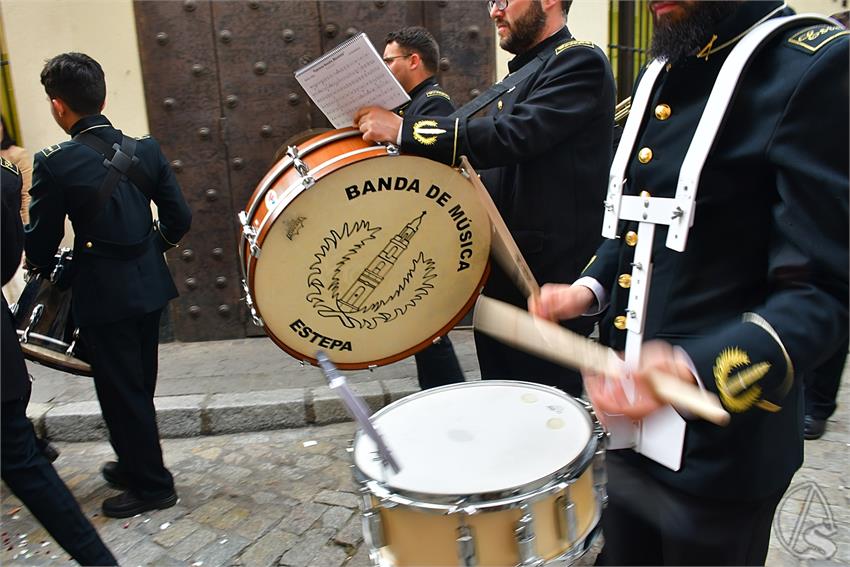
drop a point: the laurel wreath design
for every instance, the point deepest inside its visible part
(337, 249)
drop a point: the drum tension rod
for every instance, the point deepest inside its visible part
(250, 234)
(34, 319)
(373, 531)
(568, 518)
(466, 544)
(526, 539)
(299, 165)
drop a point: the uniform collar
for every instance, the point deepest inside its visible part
(87, 122)
(520, 60)
(733, 28)
(429, 82)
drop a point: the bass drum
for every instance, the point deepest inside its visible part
(359, 251)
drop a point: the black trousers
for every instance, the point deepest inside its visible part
(821, 385)
(31, 477)
(498, 361)
(437, 365)
(648, 523)
(124, 363)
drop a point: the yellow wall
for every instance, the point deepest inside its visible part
(105, 29)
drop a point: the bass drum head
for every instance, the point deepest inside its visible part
(372, 262)
(475, 438)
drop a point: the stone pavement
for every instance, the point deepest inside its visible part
(284, 495)
(233, 386)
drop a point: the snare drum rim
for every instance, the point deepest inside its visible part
(491, 501)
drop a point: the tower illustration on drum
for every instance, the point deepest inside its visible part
(371, 277)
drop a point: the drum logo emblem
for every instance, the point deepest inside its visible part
(294, 226)
(354, 303)
(425, 132)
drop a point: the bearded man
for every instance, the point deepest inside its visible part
(543, 152)
(755, 301)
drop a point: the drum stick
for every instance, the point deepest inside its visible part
(544, 338)
(503, 246)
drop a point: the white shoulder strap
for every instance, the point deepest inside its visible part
(713, 116)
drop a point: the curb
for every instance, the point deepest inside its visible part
(216, 414)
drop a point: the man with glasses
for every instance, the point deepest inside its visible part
(412, 54)
(543, 151)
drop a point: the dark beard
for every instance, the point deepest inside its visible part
(524, 31)
(676, 40)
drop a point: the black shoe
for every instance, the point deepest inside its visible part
(127, 505)
(113, 475)
(50, 452)
(813, 428)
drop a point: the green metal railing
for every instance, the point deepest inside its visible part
(630, 31)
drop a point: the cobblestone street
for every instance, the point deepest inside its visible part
(286, 498)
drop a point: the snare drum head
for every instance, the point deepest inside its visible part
(372, 262)
(477, 437)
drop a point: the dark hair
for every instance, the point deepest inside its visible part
(77, 80)
(565, 6)
(8, 140)
(419, 40)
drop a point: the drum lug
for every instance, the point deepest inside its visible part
(302, 168)
(34, 319)
(258, 321)
(392, 150)
(526, 540)
(373, 531)
(466, 546)
(568, 516)
(74, 336)
(600, 475)
(250, 234)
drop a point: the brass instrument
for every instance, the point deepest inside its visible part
(621, 111)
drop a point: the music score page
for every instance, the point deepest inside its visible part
(348, 77)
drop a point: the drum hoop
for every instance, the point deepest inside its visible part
(508, 498)
(55, 360)
(44, 338)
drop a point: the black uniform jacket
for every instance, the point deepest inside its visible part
(543, 152)
(427, 98)
(66, 178)
(14, 380)
(770, 238)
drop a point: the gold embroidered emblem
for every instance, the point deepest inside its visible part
(429, 94)
(425, 132)
(9, 165)
(812, 39)
(572, 43)
(736, 379)
(50, 150)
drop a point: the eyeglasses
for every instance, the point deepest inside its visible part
(389, 60)
(498, 4)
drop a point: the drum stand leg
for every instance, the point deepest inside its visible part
(526, 540)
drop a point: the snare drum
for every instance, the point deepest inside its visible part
(354, 249)
(46, 329)
(492, 473)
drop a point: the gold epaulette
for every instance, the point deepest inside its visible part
(6, 164)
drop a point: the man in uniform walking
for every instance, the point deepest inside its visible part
(104, 182)
(543, 152)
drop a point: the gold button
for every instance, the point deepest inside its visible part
(645, 155)
(644, 195)
(625, 281)
(89, 244)
(631, 238)
(662, 112)
(499, 105)
(620, 322)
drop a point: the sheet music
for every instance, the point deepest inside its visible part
(349, 77)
